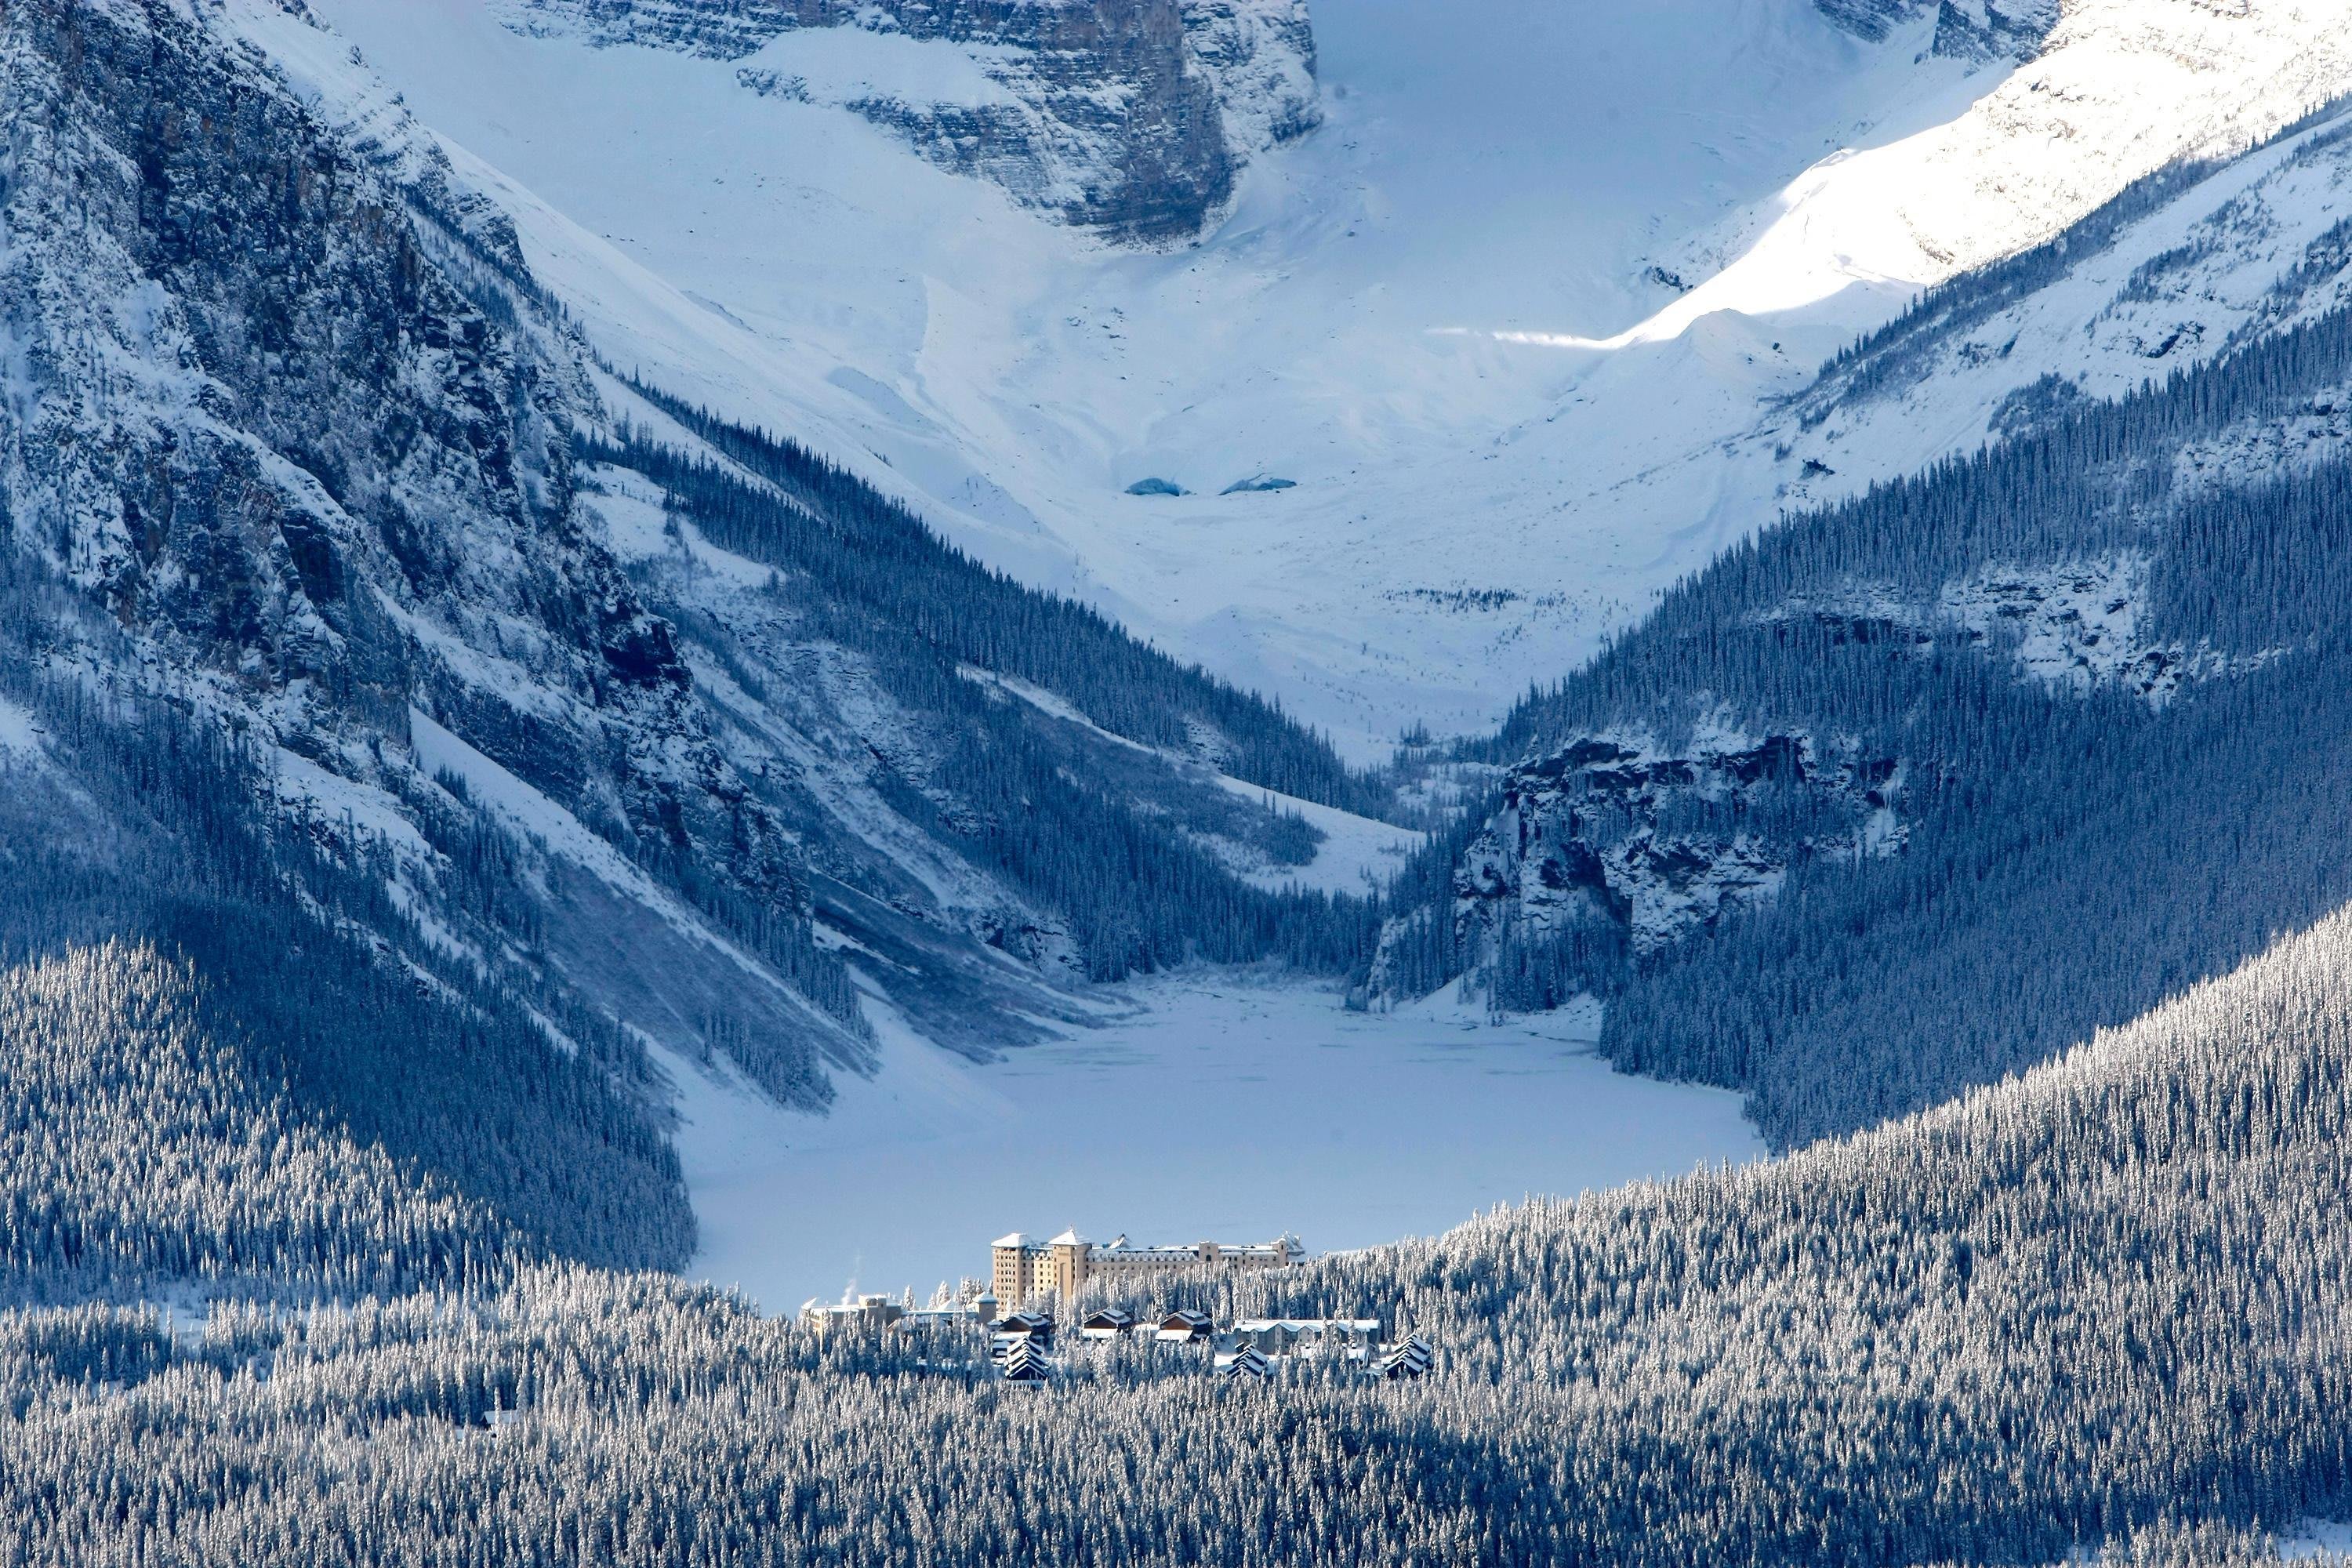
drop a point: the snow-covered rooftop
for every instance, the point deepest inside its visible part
(1308, 1325)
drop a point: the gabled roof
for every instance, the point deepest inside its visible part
(1245, 1363)
(1070, 1237)
(1411, 1359)
(1309, 1325)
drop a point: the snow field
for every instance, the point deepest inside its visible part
(1439, 313)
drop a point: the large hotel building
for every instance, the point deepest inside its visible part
(1024, 1269)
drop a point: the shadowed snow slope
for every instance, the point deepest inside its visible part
(1455, 314)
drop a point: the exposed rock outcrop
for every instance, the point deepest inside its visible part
(1131, 116)
(1964, 30)
(2079, 626)
(1624, 845)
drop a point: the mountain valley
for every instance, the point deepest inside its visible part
(656, 651)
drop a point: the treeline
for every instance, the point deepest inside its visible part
(2099, 1309)
(2101, 480)
(1113, 842)
(140, 832)
(2070, 859)
(882, 566)
(1899, 350)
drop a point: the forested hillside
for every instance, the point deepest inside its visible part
(882, 568)
(199, 994)
(2104, 1304)
(141, 1149)
(379, 655)
(1914, 791)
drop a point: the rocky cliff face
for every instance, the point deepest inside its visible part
(1618, 844)
(1260, 54)
(1964, 30)
(1131, 116)
(297, 446)
(647, 730)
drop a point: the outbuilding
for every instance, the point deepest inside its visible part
(1027, 1363)
(1184, 1328)
(1033, 1325)
(1106, 1323)
(1412, 1359)
(1246, 1362)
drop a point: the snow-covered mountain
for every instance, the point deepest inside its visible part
(531, 660)
(1496, 320)
(569, 562)
(2214, 261)
(557, 550)
(372, 643)
(1981, 758)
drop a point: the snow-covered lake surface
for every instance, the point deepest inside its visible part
(1222, 1108)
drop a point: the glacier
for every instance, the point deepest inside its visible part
(1515, 404)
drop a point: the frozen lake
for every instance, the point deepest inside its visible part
(1221, 1108)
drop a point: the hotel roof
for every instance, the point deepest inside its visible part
(1308, 1325)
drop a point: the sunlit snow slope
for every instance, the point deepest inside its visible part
(1455, 315)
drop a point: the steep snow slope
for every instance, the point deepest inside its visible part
(1450, 315)
(526, 679)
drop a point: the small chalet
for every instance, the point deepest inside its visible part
(1185, 1328)
(1409, 1360)
(1246, 1362)
(1033, 1325)
(1027, 1363)
(1106, 1323)
(1030, 1332)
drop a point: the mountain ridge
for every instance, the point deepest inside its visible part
(1365, 322)
(1131, 118)
(638, 744)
